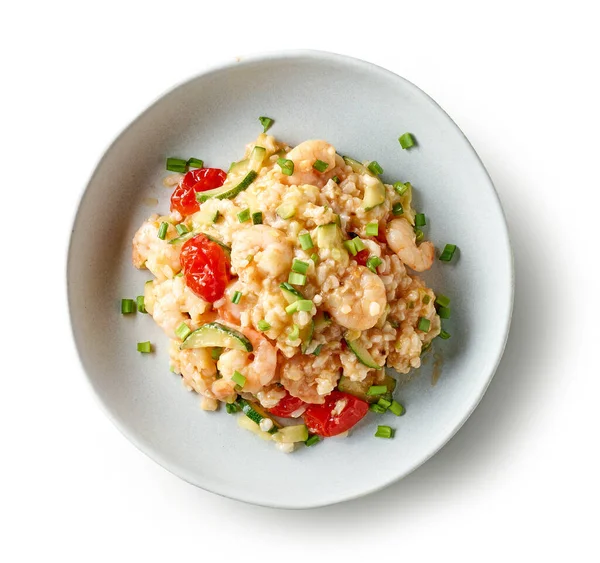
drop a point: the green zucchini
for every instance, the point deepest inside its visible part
(359, 388)
(290, 293)
(227, 190)
(329, 236)
(363, 355)
(291, 434)
(322, 320)
(306, 335)
(213, 335)
(374, 188)
(286, 211)
(256, 413)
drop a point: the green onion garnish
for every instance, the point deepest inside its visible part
(444, 312)
(384, 403)
(176, 165)
(358, 244)
(351, 247)
(401, 188)
(320, 166)
(444, 335)
(306, 241)
(420, 220)
(236, 297)
(384, 432)
(257, 218)
(448, 253)
(294, 333)
(162, 230)
(312, 440)
(377, 390)
(266, 122)
(299, 266)
(424, 324)
(238, 379)
(442, 300)
(144, 347)
(419, 234)
(300, 305)
(314, 257)
(317, 350)
(183, 331)
(297, 279)
(263, 325)
(373, 262)
(232, 408)
(216, 217)
(396, 408)
(377, 408)
(243, 216)
(127, 306)
(397, 209)
(375, 168)
(372, 229)
(406, 140)
(195, 163)
(411, 305)
(141, 305)
(181, 229)
(336, 179)
(215, 353)
(287, 166)
(426, 299)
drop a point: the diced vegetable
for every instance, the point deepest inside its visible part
(396, 408)
(127, 306)
(420, 220)
(176, 165)
(297, 279)
(181, 229)
(291, 434)
(162, 230)
(424, 324)
(183, 331)
(397, 209)
(306, 335)
(444, 312)
(372, 229)
(444, 335)
(376, 408)
(312, 440)
(216, 334)
(244, 216)
(442, 300)
(329, 236)
(236, 297)
(286, 211)
(144, 347)
(406, 140)
(294, 334)
(195, 163)
(141, 304)
(373, 262)
(448, 253)
(238, 379)
(362, 354)
(375, 168)
(320, 166)
(377, 390)
(299, 266)
(286, 165)
(257, 218)
(263, 325)
(266, 122)
(384, 432)
(290, 292)
(305, 241)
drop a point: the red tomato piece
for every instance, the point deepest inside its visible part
(286, 406)
(362, 257)
(200, 180)
(321, 420)
(205, 268)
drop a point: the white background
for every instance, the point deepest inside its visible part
(518, 482)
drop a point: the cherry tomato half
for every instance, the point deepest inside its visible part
(286, 406)
(205, 268)
(200, 180)
(321, 421)
(362, 257)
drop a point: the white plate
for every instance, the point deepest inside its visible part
(361, 109)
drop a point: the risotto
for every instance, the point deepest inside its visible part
(287, 285)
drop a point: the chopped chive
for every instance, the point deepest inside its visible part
(263, 325)
(444, 335)
(372, 229)
(266, 122)
(257, 218)
(448, 253)
(426, 299)
(299, 266)
(183, 331)
(424, 324)
(216, 217)
(358, 244)
(420, 220)
(419, 235)
(236, 297)
(377, 390)
(397, 209)
(312, 440)
(127, 306)
(232, 408)
(406, 140)
(162, 230)
(320, 166)
(317, 350)
(294, 333)
(306, 241)
(238, 379)
(297, 279)
(287, 166)
(300, 305)
(384, 432)
(144, 347)
(396, 408)
(314, 257)
(176, 165)
(243, 216)
(377, 408)
(141, 304)
(181, 229)
(351, 247)
(336, 179)
(401, 188)
(373, 262)
(411, 305)
(375, 168)
(444, 312)
(215, 353)
(195, 163)
(384, 403)
(442, 300)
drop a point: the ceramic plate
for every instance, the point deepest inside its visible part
(361, 109)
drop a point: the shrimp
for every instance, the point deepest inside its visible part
(160, 257)
(258, 367)
(304, 156)
(402, 240)
(359, 300)
(271, 253)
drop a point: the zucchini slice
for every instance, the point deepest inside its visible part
(360, 388)
(213, 335)
(290, 293)
(306, 335)
(374, 188)
(363, 355)
(329, 236)
(291, 434)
